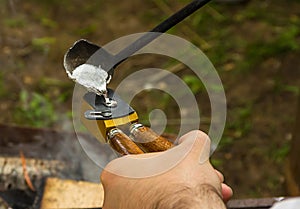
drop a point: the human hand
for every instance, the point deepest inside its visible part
(153, 180)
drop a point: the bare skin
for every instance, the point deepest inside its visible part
(123, 192)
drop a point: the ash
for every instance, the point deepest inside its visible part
(90, 76)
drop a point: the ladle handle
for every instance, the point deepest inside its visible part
(148, 140)
(121, 143)
(158, 30)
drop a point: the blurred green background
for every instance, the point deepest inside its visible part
(255, 47)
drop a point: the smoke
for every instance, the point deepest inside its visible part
(47, 152)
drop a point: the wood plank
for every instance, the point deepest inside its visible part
(3, 204)
(62, 194)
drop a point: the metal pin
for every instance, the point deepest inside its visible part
(94, 115)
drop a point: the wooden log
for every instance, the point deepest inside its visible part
(48, 144)
(60, 193)
(12, 172)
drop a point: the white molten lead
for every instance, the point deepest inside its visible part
(90, 76)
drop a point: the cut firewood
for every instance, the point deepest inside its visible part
(59, 193)
(12, 174)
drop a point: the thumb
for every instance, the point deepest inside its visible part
(201, 144)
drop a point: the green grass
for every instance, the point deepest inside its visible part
(194, 83)
(285, 41)
(49, 23)
(17, 22)
(280, 87)
(216, 162)
(240, 124)
(43, 44)
(219, 25)
(35, 110)
(87, 30)
(279, 154)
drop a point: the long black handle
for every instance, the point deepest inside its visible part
(180, 15)
(161, 28)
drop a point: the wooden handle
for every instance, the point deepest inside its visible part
(121, 143)
(148, 140)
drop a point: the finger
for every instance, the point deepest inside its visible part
(195, 144)
(226, 192)
(220, 175)
(149, 164)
